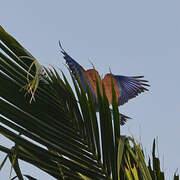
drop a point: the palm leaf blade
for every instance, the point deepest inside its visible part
(67, 135)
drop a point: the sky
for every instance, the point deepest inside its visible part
(132, 37)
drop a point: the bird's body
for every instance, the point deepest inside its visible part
(92, 74)
(126, 87)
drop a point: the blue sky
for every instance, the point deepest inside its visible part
(131, 37)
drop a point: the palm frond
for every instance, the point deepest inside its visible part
(60, 132)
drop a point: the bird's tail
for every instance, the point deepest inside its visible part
(123, 119)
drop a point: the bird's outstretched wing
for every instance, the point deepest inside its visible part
(130, 87)
(73, 65)
(85, 76)
(75, 68)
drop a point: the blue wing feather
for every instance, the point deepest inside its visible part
(77, 69)
(130, 87)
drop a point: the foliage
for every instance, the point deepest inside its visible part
(60, 132)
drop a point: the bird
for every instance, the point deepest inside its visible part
(126, 87)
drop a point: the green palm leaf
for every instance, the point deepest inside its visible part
(56, 130)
